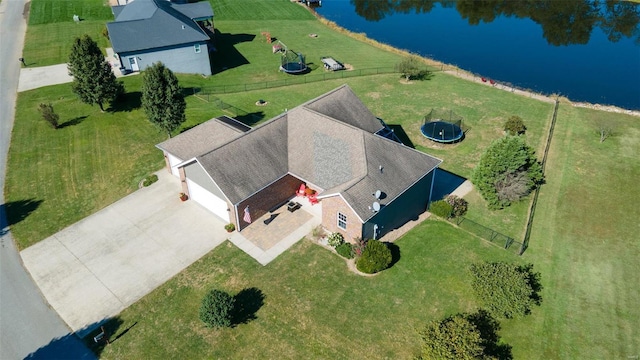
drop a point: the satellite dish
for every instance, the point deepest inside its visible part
(376, 206)
(378, 194)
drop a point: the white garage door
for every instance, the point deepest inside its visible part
(208, 200)
(173, 161)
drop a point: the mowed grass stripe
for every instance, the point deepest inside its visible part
(62, 11)
(258, 10)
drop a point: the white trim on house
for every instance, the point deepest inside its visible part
(208, 200)
(174, 164)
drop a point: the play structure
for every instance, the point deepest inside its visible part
(291, 62)
(442, 126)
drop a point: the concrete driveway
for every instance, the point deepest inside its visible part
(97, 267)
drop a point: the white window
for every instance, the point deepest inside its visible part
(196, 48)
(342, 221)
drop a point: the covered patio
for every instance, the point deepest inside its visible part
(276, 231)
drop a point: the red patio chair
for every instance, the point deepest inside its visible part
(313, 199)
(484, 80)
(301, 190)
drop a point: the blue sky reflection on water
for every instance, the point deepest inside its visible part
(509, 49)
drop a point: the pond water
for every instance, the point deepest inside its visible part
(584, 50)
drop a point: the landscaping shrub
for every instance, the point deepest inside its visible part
(345, 250)
(375, 257)
(459, 205)
(359, 246)
(507, 290)
(217, 309)
(441, 208)
(515, 126)
(149, 180)
(335, 239)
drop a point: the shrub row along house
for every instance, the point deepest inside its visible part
(367, 182)
(148, 31)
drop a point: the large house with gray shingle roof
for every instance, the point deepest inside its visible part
(333, 144)
(148, 31)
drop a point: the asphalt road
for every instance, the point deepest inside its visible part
(28, 327)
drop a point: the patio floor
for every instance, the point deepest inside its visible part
(275, 232)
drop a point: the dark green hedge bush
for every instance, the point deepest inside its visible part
(441, 208)
(515, 126)
(376, 257)
(345, 250)
(217, 309)
(150, 180)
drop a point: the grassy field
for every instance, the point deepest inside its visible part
(57, 177)
(313, 306)
(583, 240)
(51, 28)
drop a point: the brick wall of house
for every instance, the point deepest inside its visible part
(330, 208)
(260, 203)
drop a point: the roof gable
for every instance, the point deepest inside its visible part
(250, 162)
(149, 24)
(343, 104)
(203, 138)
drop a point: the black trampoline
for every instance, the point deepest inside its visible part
(293, 63)
(442, 126)
(442, 131)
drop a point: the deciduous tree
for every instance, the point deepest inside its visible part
(93, 79)
(507, 290)
(162, 98)
(412, 67)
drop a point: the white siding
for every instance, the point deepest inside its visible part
(173, 162)
(211, 202)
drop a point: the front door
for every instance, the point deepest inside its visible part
(134, 64)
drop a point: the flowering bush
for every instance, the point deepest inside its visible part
(335, 239)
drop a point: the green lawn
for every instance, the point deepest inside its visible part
(57, 177)
(585, 244)
(313, 306)
(51, 28)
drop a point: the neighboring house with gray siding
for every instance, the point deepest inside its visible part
(367, 184)
(148, 31)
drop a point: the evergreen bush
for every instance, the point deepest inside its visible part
(345, 250)
(441, 208)
(515, 126)
(217, 309)
(375, 257)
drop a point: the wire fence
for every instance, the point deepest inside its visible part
(534, 203)
(296, 80)
(488, 234)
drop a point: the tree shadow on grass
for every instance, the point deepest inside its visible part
(94, 338)
(75, 121)
(533, 278)
(247, 303)
(16, 211)
(489, 327)
(127, 102)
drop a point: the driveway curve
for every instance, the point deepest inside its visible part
(100, 265)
